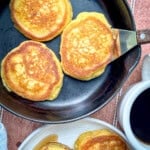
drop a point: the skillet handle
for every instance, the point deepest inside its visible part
(143, 36)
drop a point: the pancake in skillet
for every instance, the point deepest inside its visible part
(32, 71)
(40, 20)
(86, 46)
(100, 140)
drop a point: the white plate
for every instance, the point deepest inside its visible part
(67, 133)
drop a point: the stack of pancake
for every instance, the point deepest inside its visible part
(99, 139)
(32, 70)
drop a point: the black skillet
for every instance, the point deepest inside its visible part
(77, 99)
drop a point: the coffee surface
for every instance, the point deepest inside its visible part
(140, 116)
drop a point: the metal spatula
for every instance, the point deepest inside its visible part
(129, 39)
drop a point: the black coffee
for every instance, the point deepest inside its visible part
(140, 116)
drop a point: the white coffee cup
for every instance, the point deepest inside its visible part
(126, 104)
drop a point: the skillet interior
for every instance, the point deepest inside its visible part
(77, 99)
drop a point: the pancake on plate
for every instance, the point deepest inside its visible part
(40, 20)
(102, 139)
(54, 146)
(87, 45)
(32, 71)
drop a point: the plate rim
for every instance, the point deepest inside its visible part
(103, 124)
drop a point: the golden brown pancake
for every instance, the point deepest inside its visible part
(87, 45)
(40, 20)
(32, 71)
(54, 146)
(100, 140)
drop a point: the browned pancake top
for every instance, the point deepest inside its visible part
(86, 46)
(32, 71)
(40, 20)
(110, 142)
(102, 139)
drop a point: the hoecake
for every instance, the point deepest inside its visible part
(40, 20)
(102, 139)
(55, 146)
(87, 45)
(32, 71)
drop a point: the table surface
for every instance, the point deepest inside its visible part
(19, 128)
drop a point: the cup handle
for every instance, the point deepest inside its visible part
(146, 68)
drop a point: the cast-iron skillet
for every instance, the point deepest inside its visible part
(77, 99)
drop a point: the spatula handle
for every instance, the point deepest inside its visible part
(143, 36)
